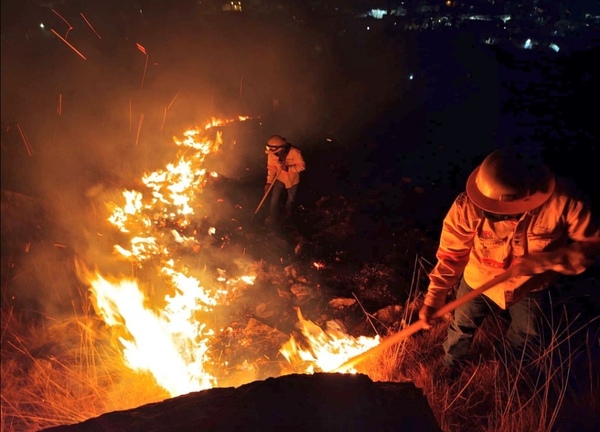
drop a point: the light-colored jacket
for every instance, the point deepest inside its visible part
(295, 163)
(480, 249)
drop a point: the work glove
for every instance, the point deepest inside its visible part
(570, 260)
(267, 186)
(426, 314)
(284, 166)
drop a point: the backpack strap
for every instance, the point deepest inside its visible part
(284, 153)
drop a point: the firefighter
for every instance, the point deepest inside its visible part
(514, 212)
(284, 165)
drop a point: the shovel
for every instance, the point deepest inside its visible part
(420, 325)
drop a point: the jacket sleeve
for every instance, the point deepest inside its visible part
(297, 164)
(582, 225)
(272, 168)
(581, 251)
(453, 252)
(584, 231)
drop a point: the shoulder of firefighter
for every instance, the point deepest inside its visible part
(295, 165)
(561, 236)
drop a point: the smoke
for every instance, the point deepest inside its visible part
(76, 132)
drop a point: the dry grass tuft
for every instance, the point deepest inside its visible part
(551, 389)
(60, 372)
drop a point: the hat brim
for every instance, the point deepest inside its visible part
(508, 207)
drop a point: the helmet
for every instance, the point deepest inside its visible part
(275, 144)
(508, 182)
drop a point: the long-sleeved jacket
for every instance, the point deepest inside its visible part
(473, 246)
(295, 163)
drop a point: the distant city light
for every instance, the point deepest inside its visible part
(528, 44)
(480, 18)
(411, 76)
(555, 47)
(378, 13)
(42, 26)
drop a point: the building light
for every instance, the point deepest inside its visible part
(377, 13)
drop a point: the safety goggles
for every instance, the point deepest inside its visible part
(273, 148)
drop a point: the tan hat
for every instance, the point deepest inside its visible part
(276, 141)
(275, 144)
(509, 182)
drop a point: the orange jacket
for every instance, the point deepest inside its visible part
(295, 164)
(479, 249)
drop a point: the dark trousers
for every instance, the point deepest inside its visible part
(527, 323)
(278, 189)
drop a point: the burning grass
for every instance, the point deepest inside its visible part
(63, 371)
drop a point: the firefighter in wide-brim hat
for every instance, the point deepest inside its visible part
(514, 212)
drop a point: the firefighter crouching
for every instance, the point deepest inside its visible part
(514, 213)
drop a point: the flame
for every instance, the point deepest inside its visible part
(324, 350)
(166, 328)
(169, 336)
(169, 343)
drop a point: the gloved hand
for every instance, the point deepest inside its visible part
(267, 186)
(426, 314)
(570, 260)
(284, 166)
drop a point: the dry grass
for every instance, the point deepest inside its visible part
(555, 389)
(552, 389)
(59, 372)
(64, 371)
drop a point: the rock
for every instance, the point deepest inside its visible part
(341, 303)
(389, 315)
(316, 403)
(303, 292)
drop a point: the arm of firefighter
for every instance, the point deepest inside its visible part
(296, 162)
(453, 252)
(569, 260)
(583, 226)
(272, 168)
(576, 257)
(584, 230)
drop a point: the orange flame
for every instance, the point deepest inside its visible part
(169, 343)
(326, 349)
(170, 335)
(172, 341)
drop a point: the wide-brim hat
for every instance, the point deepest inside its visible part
(529, 199)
